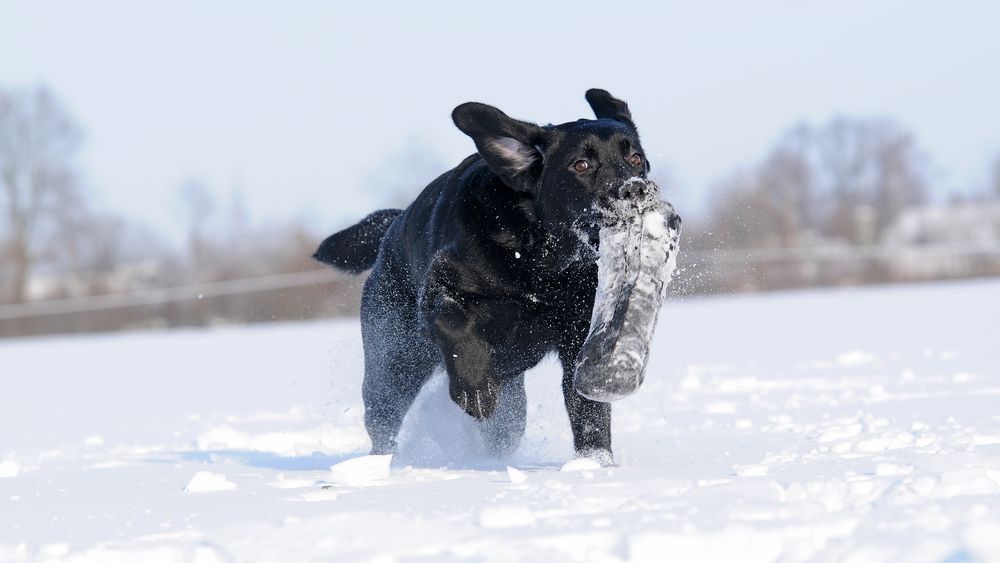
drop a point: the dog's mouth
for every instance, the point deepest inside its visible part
(636, 237)
(616, 205)
(588, 228)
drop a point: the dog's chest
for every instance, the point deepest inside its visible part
(520, 334)
(543, 309)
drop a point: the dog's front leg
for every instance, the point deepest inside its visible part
(589, 420)
(472, 383)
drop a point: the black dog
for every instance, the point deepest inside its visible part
(491, 268)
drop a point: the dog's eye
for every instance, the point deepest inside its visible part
(581, 165)
(635, 159)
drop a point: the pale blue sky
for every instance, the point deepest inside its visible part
(300, 103)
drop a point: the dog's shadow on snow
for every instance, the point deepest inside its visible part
(315, 462)
(414, 458)
(435, 434)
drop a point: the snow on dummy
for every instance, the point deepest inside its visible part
(637, 251)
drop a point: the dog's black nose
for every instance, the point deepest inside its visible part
(634, 189)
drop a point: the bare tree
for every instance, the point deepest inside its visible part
(38, 141)
(842, 183)
(770, 205)
(866, 172)
(90, 255)
(901, 181)
(199, 209)
(734, 220)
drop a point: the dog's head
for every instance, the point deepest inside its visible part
(569, 169)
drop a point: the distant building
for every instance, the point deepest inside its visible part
(944, 241)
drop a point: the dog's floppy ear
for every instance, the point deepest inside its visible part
(509, 146)
(607, 106)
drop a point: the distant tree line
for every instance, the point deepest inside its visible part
(56, 245)
(819, 208)
(809, 213)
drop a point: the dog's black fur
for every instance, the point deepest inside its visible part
(489, 269)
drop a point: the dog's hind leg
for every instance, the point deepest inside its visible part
(391, 384)
(399, 359)
(503, 430)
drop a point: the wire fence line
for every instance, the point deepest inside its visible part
(841, 253)
(277, 282)
(160, 296)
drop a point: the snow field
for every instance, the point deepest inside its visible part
(842, 425)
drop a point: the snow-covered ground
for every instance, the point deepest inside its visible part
(854, 425)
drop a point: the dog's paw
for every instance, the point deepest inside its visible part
(603, 457)
(479, 399)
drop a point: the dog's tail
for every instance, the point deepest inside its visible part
(355, 248)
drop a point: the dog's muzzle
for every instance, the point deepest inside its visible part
(637, 250)
(634, 189)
